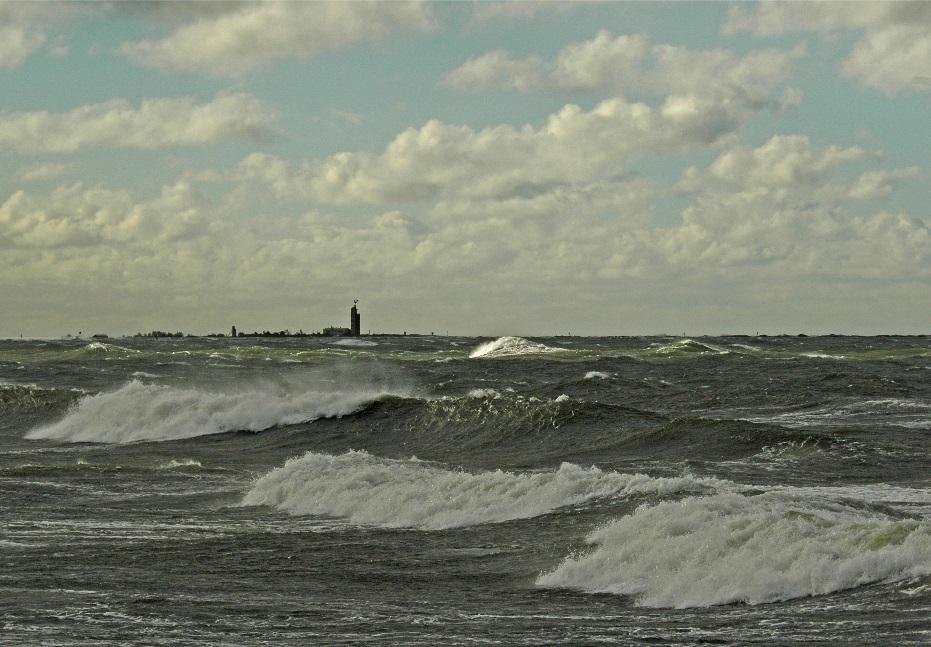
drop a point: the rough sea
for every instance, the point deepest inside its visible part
(457, 491)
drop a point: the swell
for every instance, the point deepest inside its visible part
(490, 428)
(369, 490)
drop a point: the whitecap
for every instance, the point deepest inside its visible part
(354, 342)
(180, 464)
(139, 411)
(510, 346)
(728, 548)
(369, 490)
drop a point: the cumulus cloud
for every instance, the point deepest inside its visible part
(155, 123)
(79, 216)
(776, 209)
(22, 30)
(438, 159)
(876, 185)
(771, 215)
(526, 9)
(893, 53)
(632, 63)
(785, 162)
(244, 36)
(40, 172)
(781, 205)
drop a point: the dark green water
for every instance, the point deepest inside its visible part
(731, 490)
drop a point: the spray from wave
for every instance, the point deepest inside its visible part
(139, 411)
(688, 347)
(510, 347)
(390, 493)
(733, 548)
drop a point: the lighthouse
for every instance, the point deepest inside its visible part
(355, 320)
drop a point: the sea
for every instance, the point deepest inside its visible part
(432, 490)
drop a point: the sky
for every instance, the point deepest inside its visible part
(490, 168)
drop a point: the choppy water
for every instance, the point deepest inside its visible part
(437, 490)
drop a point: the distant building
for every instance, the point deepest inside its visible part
(233, 331)
(333, 331)
(355, 320)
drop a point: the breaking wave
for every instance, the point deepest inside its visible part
(355, 342)
(728, 548)
(139, 411)
(365, 489)
(174, 464)
(510, 347)
(101, 349)
(688, 347)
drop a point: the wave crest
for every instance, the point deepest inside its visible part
(509, 347)
(411, 494)
(732, 548)
(139, 411)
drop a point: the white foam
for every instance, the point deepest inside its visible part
(389, 493)
(911, 413)
(733, 548)
(509, 347)
(176, 464)
(483, 393)
(145, 374)
(599, 375)
(689, 345)
(100, 347)
(140, 411)
(354, 342)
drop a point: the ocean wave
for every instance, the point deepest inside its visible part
(174, 464)
(354, 342)
(597, 375)
(510, 347)
(817, 355)
(101, 349)
(31, 397)
(727, 548)
(369, 490)
(139, 411)
(688, 347)
(901, 412)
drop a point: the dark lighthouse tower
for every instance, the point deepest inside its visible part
(355, 320)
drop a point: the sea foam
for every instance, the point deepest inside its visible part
(509, 347)
(375, 491)
(754, 549)
(139, 411)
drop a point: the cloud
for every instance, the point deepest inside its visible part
(626, 63)
(893, 53)
(155, 123)
(785, 162)
(79, 216)
(441, 160)
(526, 9)
(22, 30)
(232, 42)
(762, 228)
(780, 206)
(41, 172)
(876, 185)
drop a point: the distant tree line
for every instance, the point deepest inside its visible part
(159, 333)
